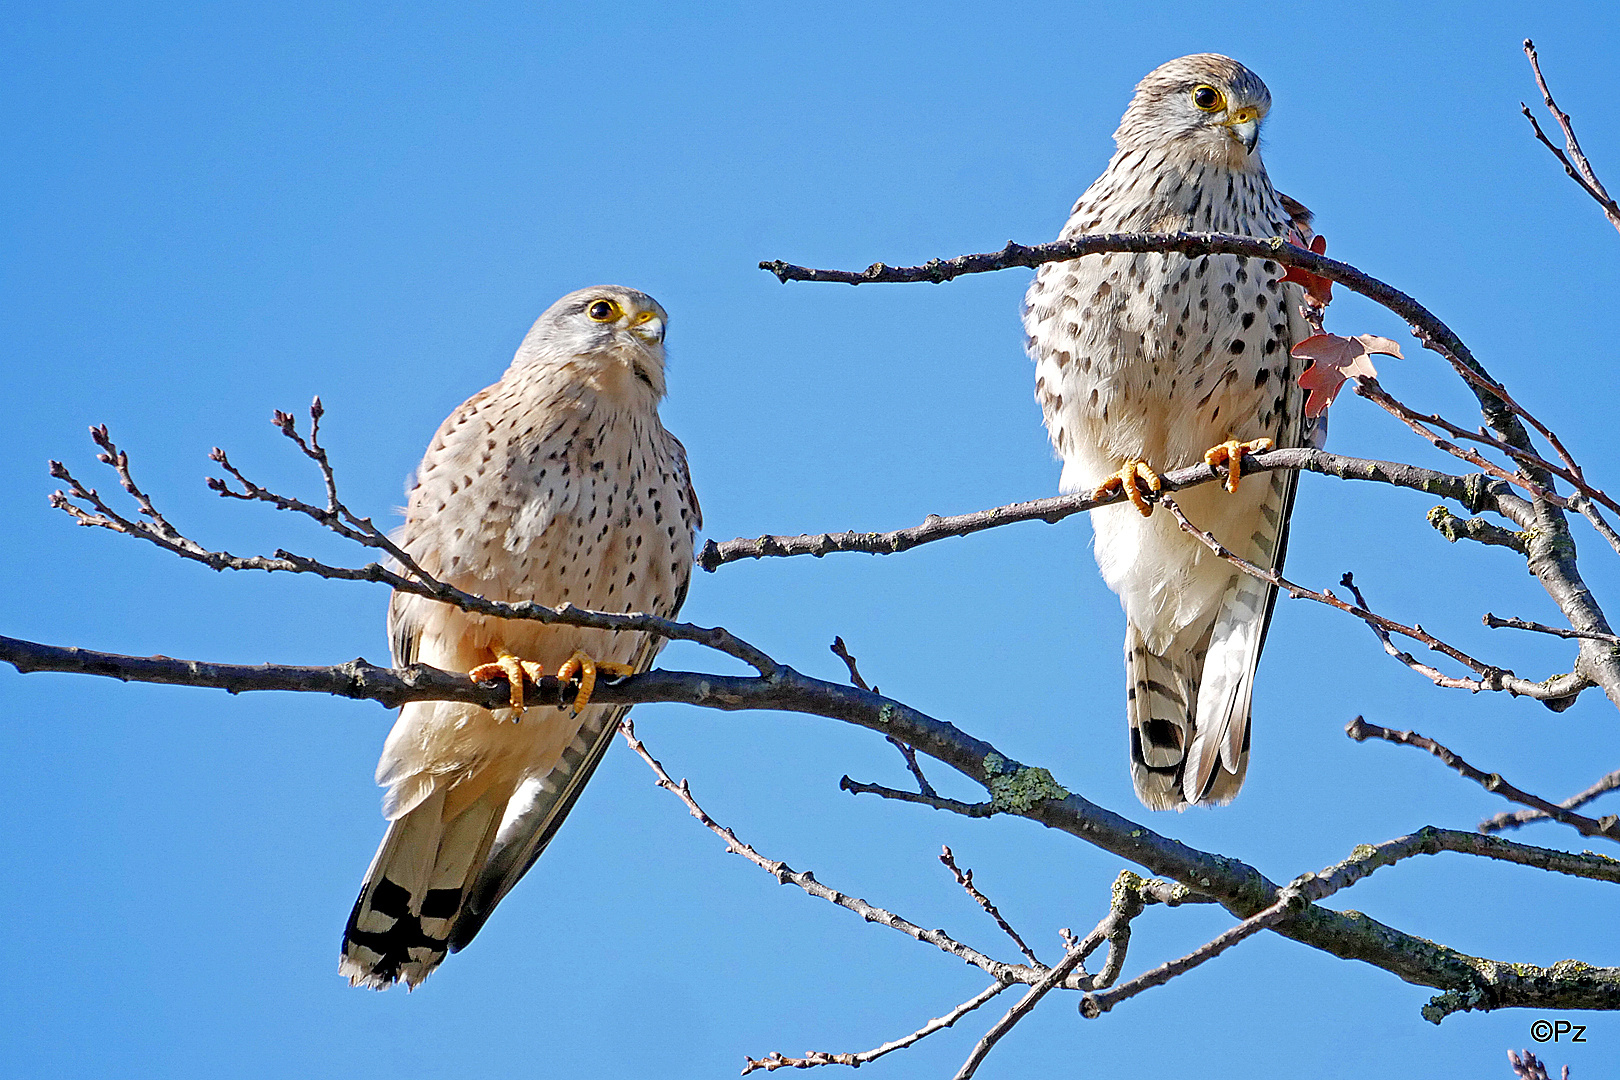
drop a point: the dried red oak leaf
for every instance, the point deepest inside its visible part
(1318, 290)
(1335, 359)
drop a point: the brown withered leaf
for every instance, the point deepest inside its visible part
(1335, 359)
(1318, 290)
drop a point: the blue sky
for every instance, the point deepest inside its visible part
(212, 215)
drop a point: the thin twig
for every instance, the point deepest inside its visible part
(1525, 624)
(1607, 827)
(908, 753)
(1368, 388)
(923, 798)
(1059, 972)
(805, 880)
(1512, 819)
(1474, 492)
(1490, 677)
(1095, 1004)
(964, 878)
(1591, 513)
(161, 533)
(1581, 170)
(772, 1062)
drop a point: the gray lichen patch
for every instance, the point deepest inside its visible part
(1018, 789)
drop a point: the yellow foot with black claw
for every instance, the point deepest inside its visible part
(586, 668)
(1139, 483)
(514, 669)
(1230, 453)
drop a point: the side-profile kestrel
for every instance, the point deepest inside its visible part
(558, 485)
(1163, 360)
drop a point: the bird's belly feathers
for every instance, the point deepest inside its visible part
(1159, 364)
(609, 529)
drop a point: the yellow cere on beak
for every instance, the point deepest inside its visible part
(1244, 124)
(647, 326)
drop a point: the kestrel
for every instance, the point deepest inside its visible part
(1166, 360)
(557, 484)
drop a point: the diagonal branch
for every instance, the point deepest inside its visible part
(773, 1061)
(1580, 170)
(1476, 492)
(1556, 691)
(964, 878)
(1473, 982)
(804, 879)
(161, 533)
(1608, 827)
(1512, 819)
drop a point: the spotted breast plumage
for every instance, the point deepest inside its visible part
(1155, 361)
(558, 484)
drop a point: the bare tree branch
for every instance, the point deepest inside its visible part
(785, 874)
(1054, 977)
(1524, 624)
(1094, 1005)
(1015, 788)
(1581, 170)
(164, 535)
(1476, 492)
(907, 753)
(772, 1062)
(1454, 528)
(964, 878)
(1512, 819)
(1608, 827)
(1558, 691)
(923, 798)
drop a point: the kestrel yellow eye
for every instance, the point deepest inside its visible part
(1208, 98)
(603, 310)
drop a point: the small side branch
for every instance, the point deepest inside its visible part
(772, 1062)
(1579, 169)
(1525, 624)
(1475, 492)
(1559, 691)
(1608, 827)
(908, 753)
(805, 880)
(1512, 819)
(964, 878)
(1455, 528)
(938, 802)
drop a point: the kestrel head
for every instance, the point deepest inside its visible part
(610, 335)
(1206, 105)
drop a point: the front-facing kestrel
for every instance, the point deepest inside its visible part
(558, 485)
(1164, 360)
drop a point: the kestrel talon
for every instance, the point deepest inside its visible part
(1139, 483)
(1230, 453)
(514, 671)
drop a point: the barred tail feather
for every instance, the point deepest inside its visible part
(1161, 701)
(402, 922)
(1218, 758)
(533, 817)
